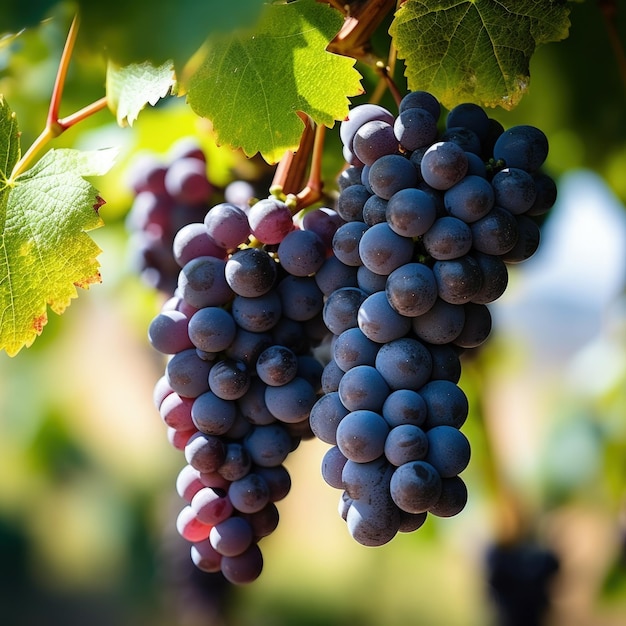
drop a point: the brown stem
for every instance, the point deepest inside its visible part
(312, 192)
(290, 173)
(59, 83)
(354, 37)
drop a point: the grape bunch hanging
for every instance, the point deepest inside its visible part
(347, 324)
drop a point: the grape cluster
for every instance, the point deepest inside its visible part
(169, 193)
(241, 377)
(432, 215)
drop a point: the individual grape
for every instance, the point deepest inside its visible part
(496, 233)
(239, 193)
(301, 252)
(441, 324)
(333, 463)
(186, 181)
(546, 193)
(205, 452)
(448, 450)
(458, 280)
(369, 282)
(352, 348)
(411, 289)
(341, 309)
(410, 522)
(391, 173)
(268, 445)
(323, 222)
(373, 522)
(404, 363)
(243, 568)
(277, 365)
(232, 536)
(453, 497)
(415, 128)
(192, 241)
(375, 210)
(470, 199)
(358, 116)
(211, 506)
(270, 220)
(410, 212)
(351, 175)
(146, 172)
(404, 406)
(363, 387)
(346, 243)
(168, 332)
(523, 146)
(310, 369)
(189, 527)
(263, 522)
(446, 404)
(477, 326)
(514, 190)
(465, 138)
(188, 483)
(205, 557)
(528, 238)
(325, 416)
(379, 321)
(187, 373)
(361, 435)
(331, 375)
(249, 494)
(202, 282)
(351, 202)
(186, 148)
(258, 314)
(475, 165)
(292, 402)
(247, 345)
(448, 238)
(361, 480)
(405, 443)
(278, 480)
(443, 165)
(422, 100)
(227, 225)
(300, 297)
(237, 462)
(382, 250)
(176, 412)
(213, 415)
(471, 116)
(495, 277)
(373, 140)
(212, 329)
(229, 379)
(334, 274)
(252, 404)
(415, 486)
(178, 439)
(446, 362)
(250, 272)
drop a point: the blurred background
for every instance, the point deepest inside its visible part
(87, 497)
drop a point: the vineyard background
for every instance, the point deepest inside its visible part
(87, 499)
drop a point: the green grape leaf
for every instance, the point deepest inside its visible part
(45, 252)
(475, 50)
(131, 87)
(140, 30)
(252, 83)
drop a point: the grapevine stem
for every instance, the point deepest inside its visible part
(59, 83)
(313, 190)
(55, 126)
